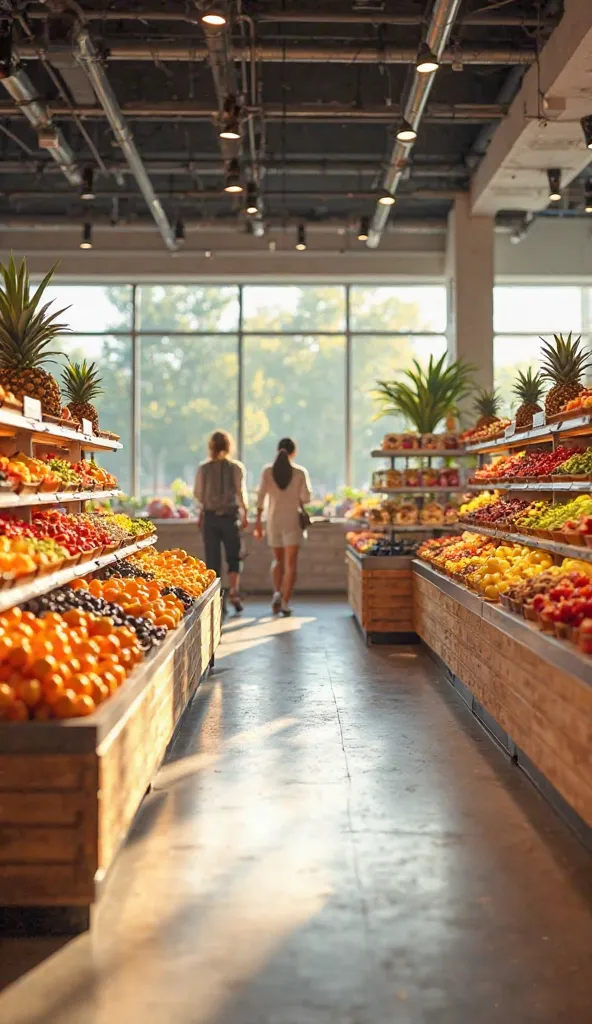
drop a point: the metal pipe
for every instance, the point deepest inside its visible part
(440, 27)
(181, 195)
(291, 165)
(280, 54)
(437, 113)
(89, 59)
(103, 224)
(279, 16)
(24, 94)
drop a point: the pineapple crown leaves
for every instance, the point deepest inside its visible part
(427, 395)
(563, 361)
(528, 387)
(81, 382)
(487, 402)
(25, 330)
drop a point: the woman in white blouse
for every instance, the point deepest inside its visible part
(285, 487)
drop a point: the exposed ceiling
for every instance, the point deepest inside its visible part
(320, 85)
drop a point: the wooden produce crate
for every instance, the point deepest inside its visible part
(70, 790)
(379, 590)
(531, 690)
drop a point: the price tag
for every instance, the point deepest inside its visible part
(538, 420)
(87, 427)
(32, 408)
(511, 430)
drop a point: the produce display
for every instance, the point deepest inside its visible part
(564, 362)
(413, 441)
(528, 389)
(80, 385)
(403, 513)
(24, 474)
(536, 466)
(568, 522)
(482, 565)
(368, 543)
(428, 477)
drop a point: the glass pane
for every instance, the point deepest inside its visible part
(295, 387)
(293, 308)
(93, 307)
(188, 389)
(510, 354)
(420, 308)
(113, 356)
(180, 307)
(380, 358)
(537, 308)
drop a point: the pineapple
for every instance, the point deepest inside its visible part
(81, 384)
(25, 334)
(564, 363)
(528, 388)
(487, 405)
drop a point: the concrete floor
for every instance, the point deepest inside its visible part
(334, 841)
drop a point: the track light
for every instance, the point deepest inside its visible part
(426, 60)
(230, 129)
(586, 123)
(87, 191)
(588, 196)
(554, 176)
(301, 241)
(233, 182)
(364, 228)
(252, 204)
(86, 241)
(386, 199)
(406, 132)
(179, 231)
(213, 15)
(6, 58)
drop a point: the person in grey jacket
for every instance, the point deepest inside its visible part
(221, 492)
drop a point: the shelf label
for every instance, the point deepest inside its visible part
(31, 408)
(87, 427)
(511, 430)
(538, 419)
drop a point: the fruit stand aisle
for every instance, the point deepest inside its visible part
(103, 640)
(507, 606)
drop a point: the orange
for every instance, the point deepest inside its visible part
(30, 692)
(166, 620)
(25, 630)
(53, 687)
(95, 587)
(43, 667)
(88, 647)
(6, 696)
(83, 705)
(109, 680)
(74, 666)
(17, 712)
(30, 619)
(13, 614)
(127, 637)
(65, 706)
(88, 662)
(41, 647)
(120, 673)
(18, 656)
(81, 585)
(6, 644)
(52, 619)
(99, 689)
(74, 618)
(42, 713)
(81, 683)
(102, 626)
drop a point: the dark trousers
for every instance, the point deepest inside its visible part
(218, 531)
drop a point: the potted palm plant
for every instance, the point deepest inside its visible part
(425, 397)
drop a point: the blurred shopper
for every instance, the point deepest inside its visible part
(286, 489)
(220, 489)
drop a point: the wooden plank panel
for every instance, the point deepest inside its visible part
(41, 808)
(45, 773)
(35, 885)
(26, 844)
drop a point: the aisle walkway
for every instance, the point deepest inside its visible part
(335, 841)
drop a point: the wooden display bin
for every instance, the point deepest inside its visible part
(379, 590)
(70, 790)
(531, 690)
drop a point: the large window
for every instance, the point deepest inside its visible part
(524, 313)
(263, 361)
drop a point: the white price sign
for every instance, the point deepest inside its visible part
(32, 408)
(87, 427)
(538, 420)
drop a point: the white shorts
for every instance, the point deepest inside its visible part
(278, 538)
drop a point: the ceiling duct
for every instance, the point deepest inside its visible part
(439, 29)
(90, 61)
(221, 60)
(24, 94)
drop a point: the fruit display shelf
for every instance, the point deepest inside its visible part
(554, 486)
(576, 426)
(420, 489)
(10, 500)
(71, 789)
(408, 453)
(51, 581)
(531, 690)
(555, 547)
(44, 432)
(379, 593)
(394, 527)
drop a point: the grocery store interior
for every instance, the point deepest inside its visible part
(311, 743)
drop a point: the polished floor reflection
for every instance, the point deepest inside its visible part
(333, 841)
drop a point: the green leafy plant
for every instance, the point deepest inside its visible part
(426, 397)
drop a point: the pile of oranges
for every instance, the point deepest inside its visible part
(176, 568)
(138, 597)
(61, 666)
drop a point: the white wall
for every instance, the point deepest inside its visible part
(556, 250)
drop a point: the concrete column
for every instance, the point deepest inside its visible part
(469, 273)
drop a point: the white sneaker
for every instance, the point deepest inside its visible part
(276, 604)
(285, 610)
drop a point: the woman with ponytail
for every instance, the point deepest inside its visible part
(285, 487)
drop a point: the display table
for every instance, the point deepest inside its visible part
(69, 790)
(379, 590)
(532, 690)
